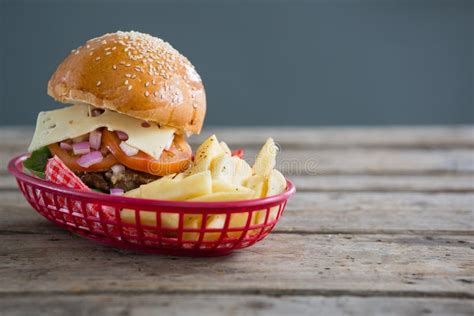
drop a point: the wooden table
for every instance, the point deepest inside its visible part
(382, 223)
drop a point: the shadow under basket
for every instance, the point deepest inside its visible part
(153, 226)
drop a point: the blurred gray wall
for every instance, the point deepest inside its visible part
(267, 62)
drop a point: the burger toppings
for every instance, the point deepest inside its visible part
(90, 159)
(116, 191)
(65, 146)
(76, 122)
(95, 138)
(81, 148)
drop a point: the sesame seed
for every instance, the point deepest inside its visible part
(108, 53)
(126, 82)
(97, 58)
(128, 75)
(129, 87)
(153, 82)
(88, 46)
(98, 83)
(114, 48)
(134, 76)
(91, 53)
(147, 84)
(127, 65)
(114, 67)
(122, 63)
(155, 93)
(147, 93)
(104, 42)
(107, 48)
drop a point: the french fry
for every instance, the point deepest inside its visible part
(219, 185)
(168, 220)
(225, 148)
(276, 183)
(242, 170)
(215, 176)
(225, 196)
(258, 184)
(205, 154)
(222, 168)
(214, 221)
(178, 190)
(237, 220)
(266, 159)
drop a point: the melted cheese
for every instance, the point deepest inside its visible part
(58, 125)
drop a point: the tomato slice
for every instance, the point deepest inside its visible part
(174, 160)
(70, 160)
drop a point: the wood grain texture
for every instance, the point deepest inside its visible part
(295, 137)
(312, 212)
(238, 305)
(354, 161)
(358, 183)
(282, 263)
(379, 183)
(382, 223)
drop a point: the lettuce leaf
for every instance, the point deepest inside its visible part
(36, 163)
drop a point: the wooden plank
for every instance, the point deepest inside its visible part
(358, 183)
(379, 212)
(330, 137)
(368, 265)
(297, 137)
(354, 161)
(312, 212)
(378, 183)
(375, 162)
(198, 304)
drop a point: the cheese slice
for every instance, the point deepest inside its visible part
(76, 120)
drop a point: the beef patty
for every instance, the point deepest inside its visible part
(126, 180)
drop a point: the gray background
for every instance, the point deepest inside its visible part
(267, 62)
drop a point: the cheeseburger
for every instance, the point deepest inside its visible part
(133, 99)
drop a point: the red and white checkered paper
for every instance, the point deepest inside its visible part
(58, 173)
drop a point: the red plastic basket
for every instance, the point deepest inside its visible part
(199, 229)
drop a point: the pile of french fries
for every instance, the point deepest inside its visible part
(215, 175)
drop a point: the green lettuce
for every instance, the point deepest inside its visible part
(36, 163)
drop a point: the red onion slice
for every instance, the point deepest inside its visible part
(116, 191)
(90, 159)
(116, 169)
(95, 139)
(65, 146)
(121, 135)
(81, 148)
(128, 150)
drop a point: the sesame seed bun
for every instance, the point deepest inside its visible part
(135, 74)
